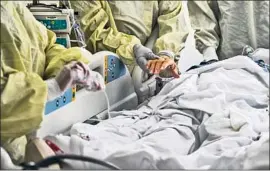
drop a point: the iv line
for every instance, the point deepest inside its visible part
(108, 103)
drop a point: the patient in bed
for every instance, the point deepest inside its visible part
(215, 116)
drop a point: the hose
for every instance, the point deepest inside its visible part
(58, 159)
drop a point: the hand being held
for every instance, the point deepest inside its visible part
(79, 73)
(89, 79)
(163, 63)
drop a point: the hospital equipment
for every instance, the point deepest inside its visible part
(109, 66)
(63, 39)
(60, 20)
(161, 82)
(59, 159)
(61, 101)
(55, 19)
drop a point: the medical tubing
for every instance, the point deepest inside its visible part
(57, 159)
(108, 103)
(78, 32)
(108, 110)
(108, 107)
(79, 35)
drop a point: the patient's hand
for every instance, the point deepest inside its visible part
(165, 64)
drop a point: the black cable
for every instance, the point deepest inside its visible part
(44, 5)
(58, 159)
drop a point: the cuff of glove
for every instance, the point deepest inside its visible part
(135, 47)
(166, 53)
(54, 90)
(210, 54)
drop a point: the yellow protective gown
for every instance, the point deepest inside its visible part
(29, 55)
(227, 26)
(118, 25)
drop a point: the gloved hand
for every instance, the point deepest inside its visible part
(142, 55)
(94, 82)
(154, 64)
(74, 73)
(82, 75)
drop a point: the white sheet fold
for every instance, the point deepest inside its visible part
(213, 117)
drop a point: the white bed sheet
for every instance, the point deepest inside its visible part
(213, 117)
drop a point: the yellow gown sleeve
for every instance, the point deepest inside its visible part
(23, 92)
(170, 34)
(23, 97)
(98, 25)
(205, 24)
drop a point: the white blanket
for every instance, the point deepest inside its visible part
(213, 117)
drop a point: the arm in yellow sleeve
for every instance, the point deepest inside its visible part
(100, 31)
(27, 50)
(23, 97)
(205, 24)
(23, 92)
(170, 34)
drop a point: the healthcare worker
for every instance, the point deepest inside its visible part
(118, 26)
(33, 70)
(224, 28)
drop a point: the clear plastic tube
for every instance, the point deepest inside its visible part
(108, 103)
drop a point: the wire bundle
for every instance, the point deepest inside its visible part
(58, 159)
